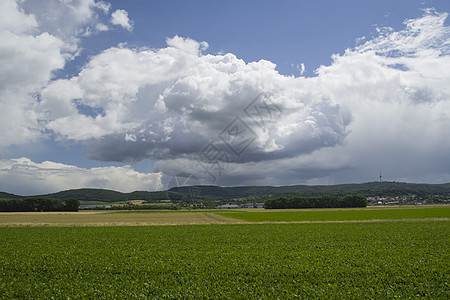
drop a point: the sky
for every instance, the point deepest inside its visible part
(145, 95)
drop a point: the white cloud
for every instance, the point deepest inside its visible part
(105, 6)
(25, 177)
(383, 104)
(187, 45)
(38, 38)
(27, 60)
(170, 103)
(14, 20)
(101, 27)
(120, 17)
(57, 99)
(174, 100)
(113, 81)
(68, 20)
(301, 68)
(396, 87)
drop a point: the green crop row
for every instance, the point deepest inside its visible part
(284, 261)
(340, 215)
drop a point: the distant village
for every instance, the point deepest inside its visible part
(245, 205)
(408, 200)
(371, 201)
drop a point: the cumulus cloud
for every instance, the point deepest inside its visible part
(120, 17)
(27, 60)
(25, 177)
(169, 104)
(101, 27)
(396, 87)
(68, 20)
(383, 104)
(39, 38)
(175, 100)
(13, 19)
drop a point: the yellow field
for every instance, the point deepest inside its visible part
(136, 202)
(39, 219)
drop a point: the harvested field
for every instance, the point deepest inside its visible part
(40, 219)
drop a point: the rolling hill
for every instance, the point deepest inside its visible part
(223, 193)
(365, 189)
(110, 196)
(4, 195)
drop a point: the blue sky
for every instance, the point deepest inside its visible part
(284, 32)
(127, 94)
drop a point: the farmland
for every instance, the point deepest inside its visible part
(88, 218)
(340, 215)
(201, 217)
(345, 260)
(381, 253)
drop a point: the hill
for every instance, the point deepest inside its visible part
(217, 193)
(111, 196)
(4, 195)
(365, 189)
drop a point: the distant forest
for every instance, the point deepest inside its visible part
(38, 204)
(316, 202)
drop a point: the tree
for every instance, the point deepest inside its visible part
(316, 202)
(71, 204)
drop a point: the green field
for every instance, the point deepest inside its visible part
(339, 215)
(256, 261)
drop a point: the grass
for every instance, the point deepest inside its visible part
(340, 215)
(256, 261)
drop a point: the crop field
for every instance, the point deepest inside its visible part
(340, 215)
(91, 218)
(200, 217)
(255, 261)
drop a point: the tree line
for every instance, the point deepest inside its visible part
(38, 204)
(316, 202)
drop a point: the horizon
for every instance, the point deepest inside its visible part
(145, 96)
(181, 186)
